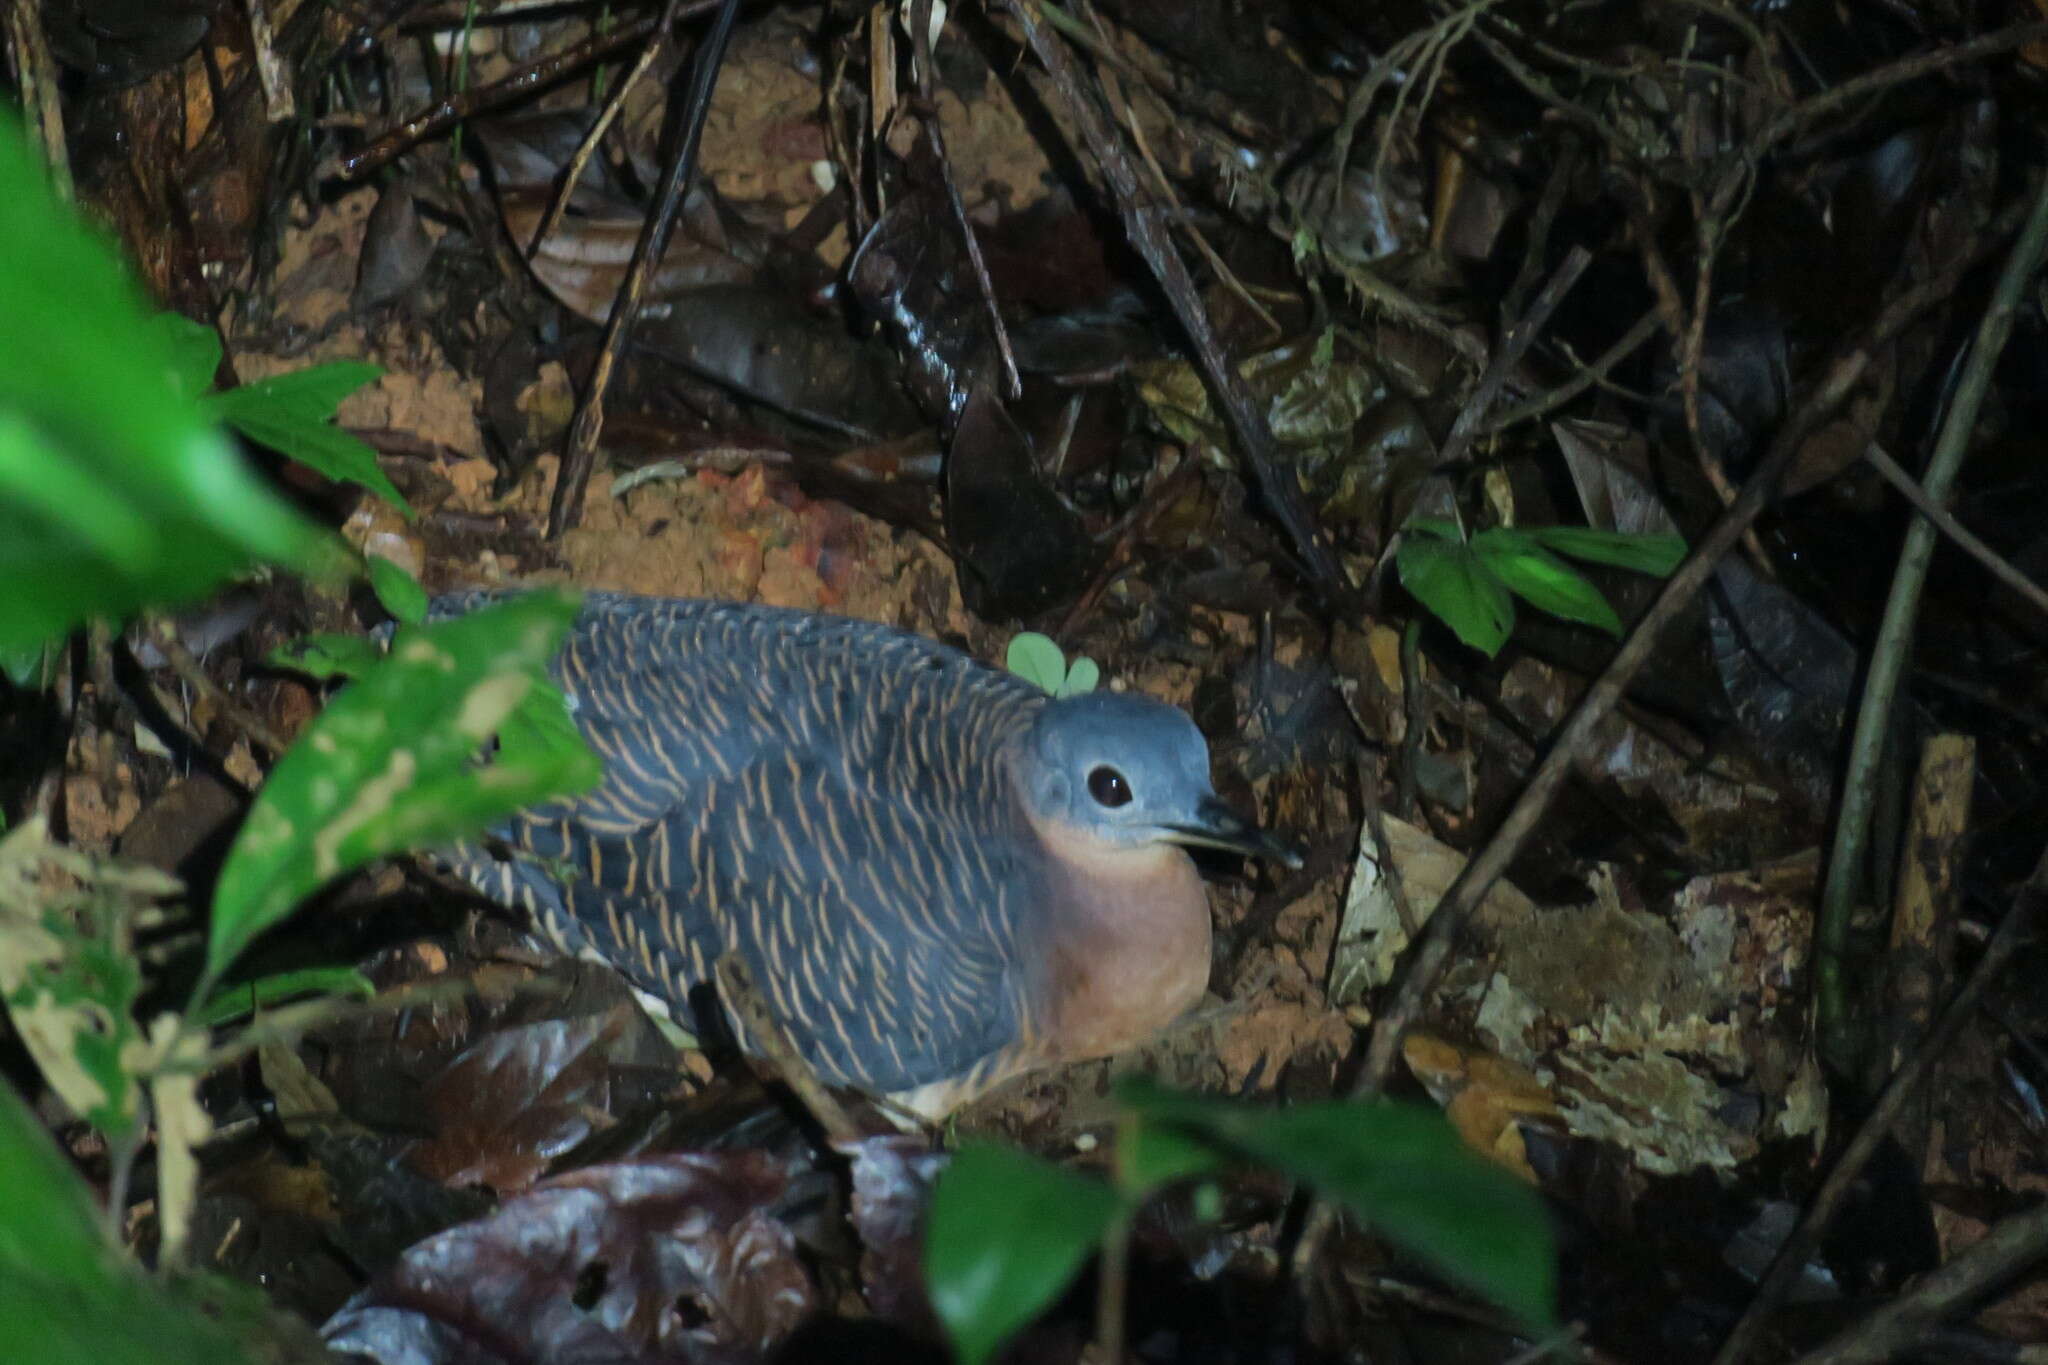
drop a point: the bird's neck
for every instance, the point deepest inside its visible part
(1128, 942)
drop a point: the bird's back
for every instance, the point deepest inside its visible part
(827, 797)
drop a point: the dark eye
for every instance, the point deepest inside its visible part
(1108, 787)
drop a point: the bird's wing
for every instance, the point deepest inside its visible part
(820, 796)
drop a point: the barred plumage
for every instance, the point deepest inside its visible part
(895, 838)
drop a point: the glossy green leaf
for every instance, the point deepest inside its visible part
(327, 656)
(1449, 579)
(246, 997)
(1151, 1155)
(65, 1295)
(293, 414)
(1006, 1235)
(116, 492)
(47, 1220)
(1656, 555)
(195, 353)
(33, 667)
(1543, 580)
(398, 592)
(1082, 676)
(1036, 659)
(1403, 1170)
(390, 764)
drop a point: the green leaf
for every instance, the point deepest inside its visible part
(1653, 554)
(115, 491)
(1151, 1155)
(1006, 1234)
(398, 592)
(65, 1295)
(30, 667)
(195, 352)
(293, 415)
(389, 765)
(47, 1221)
(1449, 579)
(1081, 677)
(1036, 659)
(327, 656)
(1403, 1170)
(246, 997)
(1543, 580)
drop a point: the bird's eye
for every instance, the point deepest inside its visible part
(1108, 787)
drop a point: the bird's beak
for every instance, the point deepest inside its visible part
(1218, 826)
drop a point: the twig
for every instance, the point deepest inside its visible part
(1508, 356)
(1905, 1083)
(1247, 420)
(766, 1037)
(1812, 110)
(278, 104)
(194, 676)
(928, 119)
(1894, 638)
(565, 509)
(2010, 1247)
(520, 85)
(606, 117)
(1482, 871)
(1584, 378)
(1944, 521)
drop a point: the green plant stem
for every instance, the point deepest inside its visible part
(1111, 1286)
(1894, 641)
(121, 1154)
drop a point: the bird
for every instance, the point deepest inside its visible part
(940, 875)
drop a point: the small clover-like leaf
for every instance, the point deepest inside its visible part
(1082, 676)
(1036, 659)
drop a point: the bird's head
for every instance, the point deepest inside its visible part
(1131, 771)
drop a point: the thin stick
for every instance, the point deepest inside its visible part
(1944, 521)
(766, 1036)
(1894, 638)
(565, 509)
(2013, 933)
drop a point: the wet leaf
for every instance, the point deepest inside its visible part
(663, 1258)
(1006, 1236)
(389, 764)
